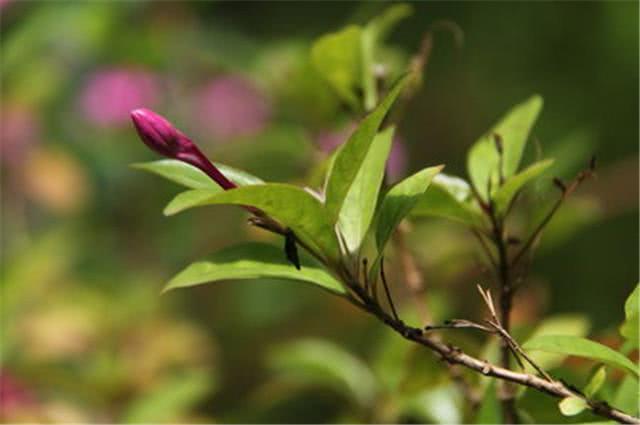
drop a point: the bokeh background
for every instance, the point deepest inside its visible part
(86, 335)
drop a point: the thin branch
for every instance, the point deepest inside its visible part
(386, 289)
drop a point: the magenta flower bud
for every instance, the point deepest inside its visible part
(162, 137)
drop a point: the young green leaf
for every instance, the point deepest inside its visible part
(253, 261)
(513, 129)
(581, 347)
(630, 328)
(447, 197)
(595, 381)
(564, 324)
(571, 406)
(349, 157)
(290, 205)
(372, 35)
(489, 411)
(505, 194)
(189, 176)
(337, 58)
(359, 205)
(318, 362)
(400, 200)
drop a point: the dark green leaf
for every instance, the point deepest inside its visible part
(505, 194)
(581, 347)
(350, 156)
(359, 205)
(513, 128)
(253, 261)
(290, 205)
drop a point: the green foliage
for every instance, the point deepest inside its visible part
(319, 362)
(571, 406)
(290, 205)
(253, 261)
(191, 177)
(504, 194)
(337, 58)
(448, 197)
(483, 159)
(359, 206)
(596, 380)
(399, 201)
(630, 327)
(581, 347)
(489, 410)
(351, 155)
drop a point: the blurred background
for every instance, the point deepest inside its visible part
(86, 335)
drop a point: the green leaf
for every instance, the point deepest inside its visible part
(595, 381)
(627, 395)
(253, 261)
(505, 194)
(175, 398)
(513, 128)
(337, 58)
(489, 411)
(631, 326)
(290, 205)
(581, 347)
(350, 156)
(440, 405)
(189, 176)
(359, 205)
(571, 406)
(447, 197)
(318, 362)
(372, 35)
(564, 324)
(400, 200)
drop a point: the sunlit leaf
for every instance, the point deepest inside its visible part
(627, 395)
(631, 327)
(571, 406)
(359, 205)
(505, 194)
(513, 129)
(447, 197)
(400, 200)
(595, 381)
(189, 176)
(290, 205)
(440, 405)
(350, 156)
(253, 261)
(566, 324)
(337, 58)
(319, 362)
(581, 347)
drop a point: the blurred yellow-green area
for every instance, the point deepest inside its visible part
(86, 250)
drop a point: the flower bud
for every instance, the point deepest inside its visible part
(162, 137)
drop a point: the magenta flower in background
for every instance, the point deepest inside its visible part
(162, 137)
(231, 106)
(397, 162)
(110, 94)
(19, 130)
(14, 395)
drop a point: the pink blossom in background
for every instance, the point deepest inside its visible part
(231, 106)
(397, 162)
(13, 395)
(328, 141)
(19, 130)
(110, 94)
